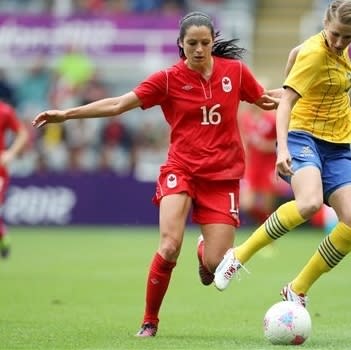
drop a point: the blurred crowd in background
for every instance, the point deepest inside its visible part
(96, 6)
(136, 144)
(126, 146)
(132, 145)
(98, 144)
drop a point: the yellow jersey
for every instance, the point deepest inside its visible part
(322, 79)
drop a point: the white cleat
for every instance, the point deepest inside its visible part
(289, 295)
(226, 270)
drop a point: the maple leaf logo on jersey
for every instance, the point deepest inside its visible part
(226, 84)
(171, 181)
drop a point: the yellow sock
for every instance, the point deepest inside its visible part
(284, 219)
(330, 252)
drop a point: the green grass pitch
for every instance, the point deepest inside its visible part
(84, 288)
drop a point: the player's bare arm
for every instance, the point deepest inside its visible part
(275, 93)
(291, 59)
(287, 102)
(16, 147)
(107, 107)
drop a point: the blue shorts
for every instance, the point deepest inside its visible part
(332, 159)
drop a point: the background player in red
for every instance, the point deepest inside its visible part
(261, 186)
(8, 123)
(199, 97)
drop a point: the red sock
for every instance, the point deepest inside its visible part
(157, 284)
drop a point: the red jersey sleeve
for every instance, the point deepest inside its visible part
(153, 90)
(250, 89)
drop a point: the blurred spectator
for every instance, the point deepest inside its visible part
(33, 89)
(79, 139)
(117, 151)
(260, 187)
(151, 143)
(75, 67)
(53, 150)
(94, 89)
(7, 90)
(72, 70)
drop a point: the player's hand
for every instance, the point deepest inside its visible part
(276, 93)
(51, 116)
(267, 102)
(284, 163)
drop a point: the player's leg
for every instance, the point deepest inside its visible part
(337, 191)
(5, 245)
(174, 209)
(4, 237)
(307, 187)
(333, 248)
(216, 210)
(218, 238)
(206, 276)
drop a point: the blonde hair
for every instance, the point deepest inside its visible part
(339, 10)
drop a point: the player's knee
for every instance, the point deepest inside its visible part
(170, 248)
(310, 206)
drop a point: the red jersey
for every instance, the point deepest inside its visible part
(8, 121)
(255, 131)
(205, 139)
(260, 160)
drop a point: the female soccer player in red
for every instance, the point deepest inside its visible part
(8, 123)
(260, 188)
(199, 97)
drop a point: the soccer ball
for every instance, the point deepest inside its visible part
(287, 323)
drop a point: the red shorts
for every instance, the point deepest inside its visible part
(214, 201)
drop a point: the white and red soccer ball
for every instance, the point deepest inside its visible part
(287, 323)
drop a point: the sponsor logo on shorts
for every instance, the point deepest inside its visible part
(306, 152)
(172, 181)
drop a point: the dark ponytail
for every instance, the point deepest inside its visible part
(227, 48)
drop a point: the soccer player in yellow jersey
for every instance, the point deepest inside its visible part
(313, 152)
